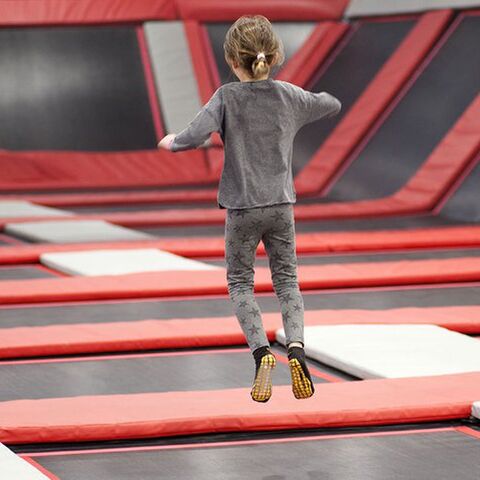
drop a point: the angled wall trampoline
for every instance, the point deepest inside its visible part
(120, 354)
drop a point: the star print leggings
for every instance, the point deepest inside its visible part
(244, 229)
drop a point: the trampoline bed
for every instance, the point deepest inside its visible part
(396, 454)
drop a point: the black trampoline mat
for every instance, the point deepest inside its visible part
(349, 73)
(374, 257)
(292, 34)
(431, 455)
(207, 370)
(73, 88)
(418, 123)
(218, 306)
(301, 226)
(24, 273)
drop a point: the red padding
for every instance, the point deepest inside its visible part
(221, 10)
(381, 90)
(307, 59)
(334, 242)
(181, 283)
(199, 56)
(206, 332)
(48, 12)
(58, 170)
(342, 404)
(125, 198)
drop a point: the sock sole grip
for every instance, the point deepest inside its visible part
(301, 386)
(262, 386)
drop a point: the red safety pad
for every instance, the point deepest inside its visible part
(207, 332)
(342, 404)
(275, 10)
(58, 170)
(374, 100)
(128, 197)
(48, 12)
(181, 283)
(334, 242)
(305, 62)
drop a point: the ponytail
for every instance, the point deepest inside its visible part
(260, 66)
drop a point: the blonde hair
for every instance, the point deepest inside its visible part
(253, 44)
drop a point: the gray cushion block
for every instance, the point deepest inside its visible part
(175, 77)
(476, 410)
(18, 209)
(391, 351)
(120, 262)
(359, 8)
(73, 232)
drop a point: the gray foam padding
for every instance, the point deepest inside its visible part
(73, 232)
(175, 77)
(20, 208)
(359, 8)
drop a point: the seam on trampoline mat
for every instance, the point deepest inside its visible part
(239, 442)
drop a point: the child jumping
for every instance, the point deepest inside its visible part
(258, 118)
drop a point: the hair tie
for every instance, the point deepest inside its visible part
(261, 55)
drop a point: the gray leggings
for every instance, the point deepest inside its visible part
(244, 229)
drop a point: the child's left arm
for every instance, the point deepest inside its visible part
(208, 120)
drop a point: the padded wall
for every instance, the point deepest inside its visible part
(175, 78)
(73, 88)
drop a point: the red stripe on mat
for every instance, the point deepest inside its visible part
(334, 242)
(311, 438)
(181, 283)
(40, 468)
(206, 332)
(390, 78)
(110, 417)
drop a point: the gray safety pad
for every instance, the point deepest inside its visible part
(120, 262)
(19, 208)
(13, 466)
(73, 232)
(476, 410)
(391, 351)
(359, 8)
(175, 77)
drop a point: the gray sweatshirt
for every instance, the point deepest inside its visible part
(257, 122)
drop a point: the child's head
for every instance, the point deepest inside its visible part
(246, 40)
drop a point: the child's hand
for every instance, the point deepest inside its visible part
(166, 141)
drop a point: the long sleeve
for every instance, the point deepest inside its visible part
(208, 120)
(314, 106)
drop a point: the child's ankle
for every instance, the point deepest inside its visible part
(295, 344)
